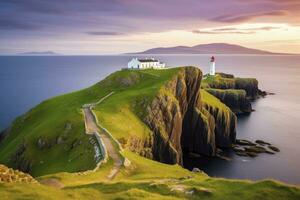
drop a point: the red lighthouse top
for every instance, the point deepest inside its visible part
(212, 59)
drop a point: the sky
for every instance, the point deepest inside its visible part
(94, 27)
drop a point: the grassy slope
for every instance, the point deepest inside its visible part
(146, 178)
(122, 113)
(48, 121)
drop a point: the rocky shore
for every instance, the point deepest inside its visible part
(252, 149)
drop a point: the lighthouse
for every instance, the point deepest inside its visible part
(212, 66)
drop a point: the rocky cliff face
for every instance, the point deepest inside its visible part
(228, 81)
(224, 119)
(181, 121)
(236, 93)
(250, 85)
(236, 100)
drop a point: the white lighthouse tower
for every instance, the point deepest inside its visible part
(212, 66)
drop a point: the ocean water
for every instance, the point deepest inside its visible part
(25, 81)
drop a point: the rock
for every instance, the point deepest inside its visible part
(219, 151)
(200, 191)
(255, 149)
(126, 163)
(269, 152)
(273, 148)
(261, 142)
(224, 157)
(194, 155)
(244, 142)
(238, 149)
(8, 175)
(262, 93)
(59, 140)
(195, 169)
(242, 154)
(251, 154)
(68, 126)
(236, 100)
(41, 143)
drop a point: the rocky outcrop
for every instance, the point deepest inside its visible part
(181, 121)
(19, 160)
(228, 81)
(224, 119)
(8, 175)
(250, 85)
(236, 93)
(4, 133)
(236, 100)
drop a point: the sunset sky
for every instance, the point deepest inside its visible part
(119, 26)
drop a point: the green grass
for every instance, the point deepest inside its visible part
(48, 121)
(148, 179)
(218, 81)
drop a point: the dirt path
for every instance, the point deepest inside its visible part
(92, 128)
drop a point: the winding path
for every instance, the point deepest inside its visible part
(92, 128)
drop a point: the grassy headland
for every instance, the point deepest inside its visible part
(50, 142)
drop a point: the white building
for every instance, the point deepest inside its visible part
(147, 63)
(212, 66)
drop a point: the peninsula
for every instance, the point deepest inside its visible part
(125, 137)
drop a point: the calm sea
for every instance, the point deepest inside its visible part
(25, 81)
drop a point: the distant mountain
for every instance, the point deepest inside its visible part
(42, 53)
(214, 48)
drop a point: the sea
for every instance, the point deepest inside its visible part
(25, 81)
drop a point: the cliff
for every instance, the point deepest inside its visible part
(234, 99)
(183, 118)
(235, 92)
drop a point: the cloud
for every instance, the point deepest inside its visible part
(13, 24)
(222, 32)
(264, 28)
(104, 33)
(234, 30)
(128, 16)
(246, 17)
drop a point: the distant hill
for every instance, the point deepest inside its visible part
(213, 48)
(42, 53)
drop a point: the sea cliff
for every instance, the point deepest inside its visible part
(237, 93)
(184, 118)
